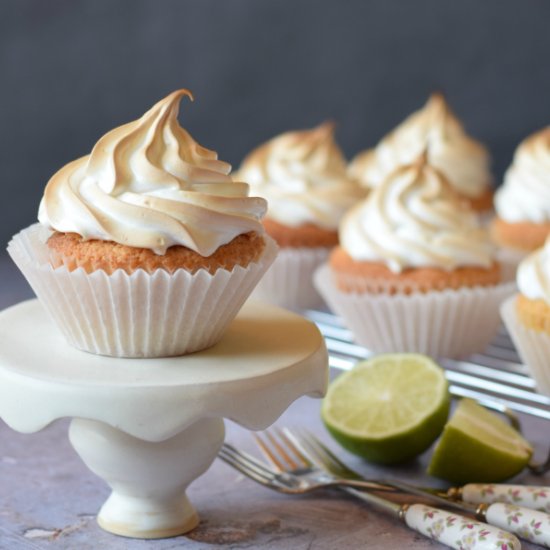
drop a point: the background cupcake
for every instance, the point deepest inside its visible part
(464, 161)
(527, 315)
(522, 203)
(414, 270)
(146, 247)
(302, 175)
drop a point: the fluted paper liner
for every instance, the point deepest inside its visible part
(533, 346)
(137, 315)
(288, 282)
(448, 323)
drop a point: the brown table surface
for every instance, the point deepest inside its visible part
(48, 498)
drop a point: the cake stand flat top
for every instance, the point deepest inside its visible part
(266, 354)
(262, 339)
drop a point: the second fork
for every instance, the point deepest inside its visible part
(528, 524)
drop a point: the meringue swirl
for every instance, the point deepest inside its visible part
(464, 161)
(533, 275)
(415, 219)
(525, 193)
(302, 175)
(149, 184)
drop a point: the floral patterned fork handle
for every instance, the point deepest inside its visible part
(457, 531)
(453, 530)
(526, 523)
(537, 498)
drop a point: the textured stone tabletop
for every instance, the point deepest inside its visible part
(48, 498)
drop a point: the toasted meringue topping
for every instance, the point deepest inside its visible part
(149, 184)
(525, 194)
(464, 161)
(415, 219)
(302, 175)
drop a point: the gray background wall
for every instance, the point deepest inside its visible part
(72, 69)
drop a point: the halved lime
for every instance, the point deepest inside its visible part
(388, 409)
(478, 446)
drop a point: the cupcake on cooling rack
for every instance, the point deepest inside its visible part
(464, 161)
(414, 270)
(146, 247)
(522, 203)
(527, 315)
(303, 176)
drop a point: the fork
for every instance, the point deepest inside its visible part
(302, 477)
(529, 524)
(297, 480)
(527, 496)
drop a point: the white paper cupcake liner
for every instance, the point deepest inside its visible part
(533, 346)
(449, 323)
(137, 315)
(289, 281)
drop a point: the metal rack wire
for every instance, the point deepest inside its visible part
(496, 378)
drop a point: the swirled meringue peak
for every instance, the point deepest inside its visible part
(415, 219)
(525, 193)
(464, 161)
(149, 184)
(302, 174)
(533, 275)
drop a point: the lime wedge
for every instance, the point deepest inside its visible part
(388, 409)
(477, 445)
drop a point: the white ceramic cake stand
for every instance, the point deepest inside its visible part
(149, 427)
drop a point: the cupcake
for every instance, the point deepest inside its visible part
(303, 176)
(415, 271)
(464, 161)
(522, 203)
(146, 247)
(527, 315)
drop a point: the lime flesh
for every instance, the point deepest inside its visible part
(478, 446)
(388, 409)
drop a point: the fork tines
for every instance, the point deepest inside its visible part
(282, 453)
(246, 464)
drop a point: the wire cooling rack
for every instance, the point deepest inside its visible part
(495, 378)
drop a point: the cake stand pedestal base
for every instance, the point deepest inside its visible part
(149, 427)
(148, 479)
